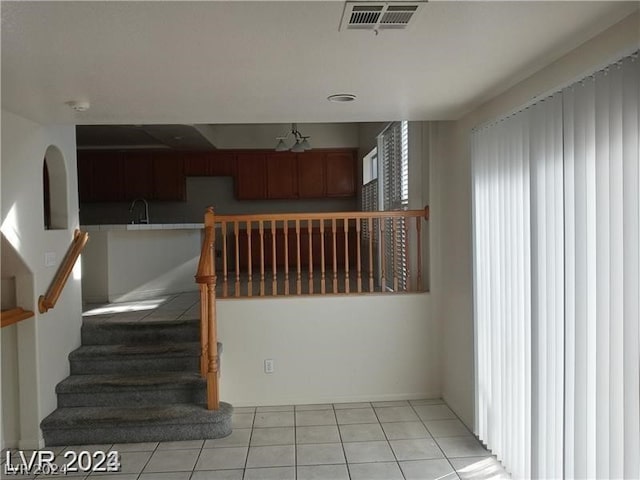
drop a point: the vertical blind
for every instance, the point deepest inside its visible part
(394, 166)
(602, 280)
(502, 299)
(557, 281)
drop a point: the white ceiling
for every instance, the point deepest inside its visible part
(263, 62)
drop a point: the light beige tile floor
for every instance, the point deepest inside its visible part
(405, 440)
(281, 445)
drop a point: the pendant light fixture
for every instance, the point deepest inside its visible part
(302, 142)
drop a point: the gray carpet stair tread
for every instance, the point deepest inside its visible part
(120, 382)
(88, 417)
(187, 349)
(139, 324)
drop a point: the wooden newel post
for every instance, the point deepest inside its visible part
(206, 278)
(204, 331)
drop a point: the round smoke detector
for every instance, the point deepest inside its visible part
(79, 105)
(341, 97)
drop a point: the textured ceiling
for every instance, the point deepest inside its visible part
(263, 62)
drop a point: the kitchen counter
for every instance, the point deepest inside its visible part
(129, 262)
(142, 226)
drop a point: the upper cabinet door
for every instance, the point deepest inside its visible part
(138, 175)
(197, 164)
(100, 176)
(340, 174)
(222, 164)
(168, 177)
(281, 175)
(311, 175)
(209, 164)
(251, 176)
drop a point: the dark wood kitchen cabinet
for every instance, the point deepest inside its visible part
(100, 176)
(168, 177)
(251, 176)
(340, 174)
(286, 175)
(209, 164)
(138, 176)
(125, 176)
(281, 175)
(114, 176)
(311, 177)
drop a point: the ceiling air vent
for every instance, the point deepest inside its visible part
(379, 15)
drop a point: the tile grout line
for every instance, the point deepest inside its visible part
(375, 412)
(197, 459)
(434, 438)
(344, 452)
(295, 444)
(148, 460)
(246, 459)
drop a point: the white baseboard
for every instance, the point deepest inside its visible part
(337, 399)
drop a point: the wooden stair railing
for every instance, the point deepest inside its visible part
(49, 299)
(206, 278)
(349, 243)
(320, 253)
(14, 315)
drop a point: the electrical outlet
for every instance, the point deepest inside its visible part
(268, 365)
(50, 259)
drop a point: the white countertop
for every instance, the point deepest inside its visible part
(142, 226)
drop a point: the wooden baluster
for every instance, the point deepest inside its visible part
(383, 263)
(236, 231)
(405, 226)
(286, 257)
(250, 263)
(299, 276)
(323, 287)
(261, 233)
(225, 284)
(347, 282)
(394, 252)
(274, 280)
(335, 256)
(310, 232)
(370, 228)
(419, 250)
(358, 260)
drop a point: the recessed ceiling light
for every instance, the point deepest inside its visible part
(341, 97)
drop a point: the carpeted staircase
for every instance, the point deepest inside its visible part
(135, 381)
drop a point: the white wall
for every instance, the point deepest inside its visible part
(451, 163)
(329, 349)
(10, 400)
(43, 342)
(121, 265)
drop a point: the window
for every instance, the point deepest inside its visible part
(393, 143)
(370, 167)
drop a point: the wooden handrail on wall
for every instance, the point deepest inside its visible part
(49, 299)
(14, 315)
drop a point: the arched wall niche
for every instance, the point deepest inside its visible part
(54, 190)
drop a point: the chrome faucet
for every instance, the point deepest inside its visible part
(141, 219)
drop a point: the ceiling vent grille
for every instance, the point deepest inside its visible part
(379, 15)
